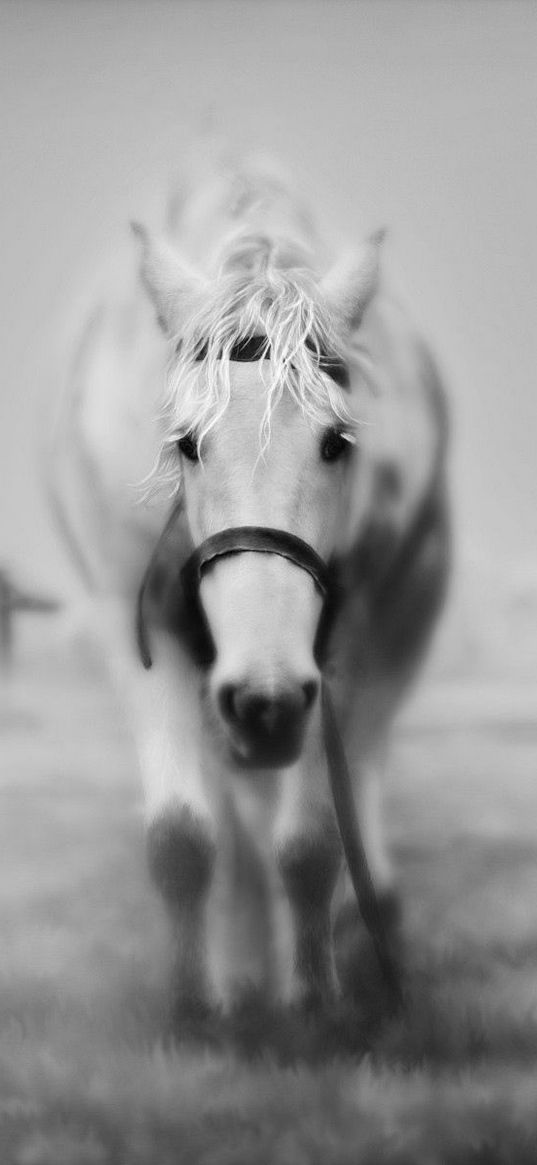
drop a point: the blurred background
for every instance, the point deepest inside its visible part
(417, 116)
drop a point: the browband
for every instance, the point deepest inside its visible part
(258, 348)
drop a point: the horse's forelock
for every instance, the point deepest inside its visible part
(283, 305)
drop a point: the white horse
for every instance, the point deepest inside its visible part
(278, 392)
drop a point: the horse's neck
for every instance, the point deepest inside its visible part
(407, 429)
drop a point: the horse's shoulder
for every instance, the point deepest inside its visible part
(392, 591)
(397, 568)
(405, 603)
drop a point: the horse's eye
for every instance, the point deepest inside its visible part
(188, 446)
(334, 445)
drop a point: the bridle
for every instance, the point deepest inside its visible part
(252, 539)
(266, 540)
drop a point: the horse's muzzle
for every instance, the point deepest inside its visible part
(266, 728)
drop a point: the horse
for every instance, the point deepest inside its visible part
(250, 467)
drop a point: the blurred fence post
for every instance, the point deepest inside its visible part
(12, 601)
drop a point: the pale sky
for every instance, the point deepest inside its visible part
(418, 116)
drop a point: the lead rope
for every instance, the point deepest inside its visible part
(353, 846)
(140, 623)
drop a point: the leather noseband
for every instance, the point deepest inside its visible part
(261, 540)
(234, 540)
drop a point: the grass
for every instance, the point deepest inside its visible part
(88, 1075)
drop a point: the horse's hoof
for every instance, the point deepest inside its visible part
(360, 974)
(194, 1021)
(314, 1003)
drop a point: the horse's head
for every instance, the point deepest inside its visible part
(264, 429)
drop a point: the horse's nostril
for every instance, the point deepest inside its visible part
(261, 712)
(245, 708)
(266, 725)
(310, 689)
(257, 712)
(265, 712)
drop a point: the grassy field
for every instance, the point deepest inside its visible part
(87, 1075)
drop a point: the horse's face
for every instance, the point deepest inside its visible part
(263, 610)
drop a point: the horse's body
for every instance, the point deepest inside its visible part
(241, 833)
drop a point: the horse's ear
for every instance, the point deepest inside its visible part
(351, 284)
(172, 287)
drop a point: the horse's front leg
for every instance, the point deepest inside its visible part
(308, 852)
(181, 812)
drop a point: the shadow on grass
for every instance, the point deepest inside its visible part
(451, 1016)
(255, 1030)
